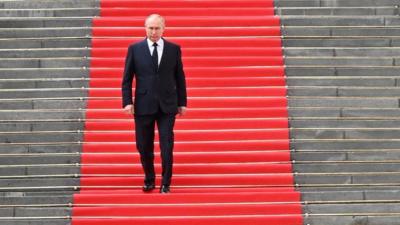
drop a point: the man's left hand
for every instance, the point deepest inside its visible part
(181, 110)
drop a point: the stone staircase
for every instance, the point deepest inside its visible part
(44, 48)
(342, 61)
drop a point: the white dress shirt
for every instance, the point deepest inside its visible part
(160, 48)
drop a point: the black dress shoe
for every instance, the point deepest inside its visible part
(148, 187)
(164, 189)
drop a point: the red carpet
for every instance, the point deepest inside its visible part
(232, 160)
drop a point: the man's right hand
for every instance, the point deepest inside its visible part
(129, 109)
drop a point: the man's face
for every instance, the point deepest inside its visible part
(154, 29)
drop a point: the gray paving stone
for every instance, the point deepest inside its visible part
(44, 63)
(44, 73)
(353, 42)
(14, 127)
(52, 170)
(37, 222)
(369, 92)
(382, 195)
(343, 144)
(354, 208)
(299, 3)
(71, 148)
(34, 182)
(309, 71)
(380, 155)
(308, 112)
(384, 71)
(306, 52)
(47, 22)
(320, 156)
(7, 212)
(344, 3)
(376, 179)
(45, 43)
(49, 4)
(310, 91)
(371, 112)
(18, 115)
(346, 167)
(41, 53)
(59, 104)
(317, 134)
(341, 81)
(337, 123)
(377, 52)
(52, 32)
(335, 21)
(342, 102)
(32, 160)
(332, 195)
(30, 200)
(12, 171)
(40, 137)
(340, 61)
(51, 12)
(45, 212)
(48, 126)
(336, 11)
(67, 93)
(322, 179)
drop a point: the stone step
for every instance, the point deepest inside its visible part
(346, 167)
(40, 114)
(32, 148)
(293, 71)
(352, 220)
(368, 157)
(385, 10)
(15, 4)
(325, 81)
(341, 61)
(84, 12)
(341, 42)
(341, 52)
(43, 52)
(45, 63)
(366, 32)
(338, 123)
(388, 113)
(338, 144)
(35, 22)
(60, 183)
(40, 85)
(44, 73)
(294, 82)
(41, 126)
(41, 137)
(31, 200)
(47, 32)
(79, 42)
(42, 221)
(335, 3)
(337, 20)
(350, 133)
(353, 208)
(342, 102)
(43, 159)
(351, 195)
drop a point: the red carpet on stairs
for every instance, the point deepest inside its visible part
(232, 160)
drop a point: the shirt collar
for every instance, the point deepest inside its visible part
(160, 43)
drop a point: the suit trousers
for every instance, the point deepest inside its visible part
(144, 128)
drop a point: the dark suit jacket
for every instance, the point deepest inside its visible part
(165, 88)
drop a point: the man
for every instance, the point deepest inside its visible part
(160, 94)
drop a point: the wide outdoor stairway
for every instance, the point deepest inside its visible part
(342, 74)
(342, 68)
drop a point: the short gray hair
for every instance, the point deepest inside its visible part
(155, 16)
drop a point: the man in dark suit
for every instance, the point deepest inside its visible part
(160, 94)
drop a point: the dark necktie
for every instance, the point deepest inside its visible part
(154, 56)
